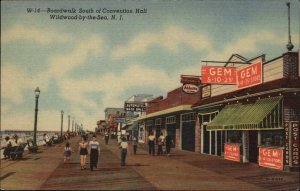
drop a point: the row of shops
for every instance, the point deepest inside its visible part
(257, 124)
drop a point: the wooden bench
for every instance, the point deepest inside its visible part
(58, 140)
(31, 146)
(17, 152)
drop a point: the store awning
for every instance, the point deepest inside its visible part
(167, 111)
(133, 127)
(248, 116)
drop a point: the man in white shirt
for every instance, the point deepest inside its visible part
(123, 146)
(94, 152)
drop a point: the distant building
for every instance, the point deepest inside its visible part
(110, 115)
(136, 105)
(113, 111)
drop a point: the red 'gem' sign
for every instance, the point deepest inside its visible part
(271, 158)
(232, 152)
(218, 75)
(250, 76)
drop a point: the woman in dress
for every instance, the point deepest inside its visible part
(83, 151)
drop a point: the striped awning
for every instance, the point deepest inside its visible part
(248, 116)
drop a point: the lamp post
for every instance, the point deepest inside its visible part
(37, 94)
(69, 123)
(62, 119)
(72, 125)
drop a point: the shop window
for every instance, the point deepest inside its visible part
(170, 120)
(149, 123)
(234, 137)
(189, 117)
(158, 121)
(272, 138)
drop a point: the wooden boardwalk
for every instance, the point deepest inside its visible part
(182, 171)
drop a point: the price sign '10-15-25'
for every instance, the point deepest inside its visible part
(246, 77)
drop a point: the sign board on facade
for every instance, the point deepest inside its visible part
(250, 76)
(190, 88)
(295, 143)
(189, 79)
(120, 120)
(206, 91)
(271, 158)
(232, 152)
(218, 75)
(135, 106)
(286, 142)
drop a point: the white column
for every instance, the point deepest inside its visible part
(245, 137)
(202, 137)
(210, 142)
(216, 143)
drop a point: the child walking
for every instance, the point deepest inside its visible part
(67, 152)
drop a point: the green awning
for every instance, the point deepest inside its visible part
(248, 116)
(133, 127)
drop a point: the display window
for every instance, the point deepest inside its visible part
(272, 138)
(234, 137)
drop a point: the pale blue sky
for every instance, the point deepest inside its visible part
(83, 67)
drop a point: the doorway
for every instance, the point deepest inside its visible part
(253, 149)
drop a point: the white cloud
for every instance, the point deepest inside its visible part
(170, 38)
(41, 36)
(109, 87)
(63, 63)
(249, 44)
(14, 81)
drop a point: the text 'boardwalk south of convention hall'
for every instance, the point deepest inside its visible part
(86, 14)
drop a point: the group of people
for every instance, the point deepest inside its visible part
(85, 148)
(161, 141)
(10, 145)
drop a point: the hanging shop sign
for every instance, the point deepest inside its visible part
(218, 75)
(190, 88)
(120, 120)
(135, 106)
(232, 152)
(206, 91)
(190, 79)
(271, 158)
(250, 76)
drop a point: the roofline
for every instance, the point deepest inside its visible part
(247, 96)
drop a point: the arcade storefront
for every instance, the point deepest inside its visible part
(258, 124)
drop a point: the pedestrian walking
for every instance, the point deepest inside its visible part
(151, 144)
(123, 146)
(169, 144)
(135, 144)
(67, 152)
(83, 151)
(106, 137)
(94, 152)
(160, 143)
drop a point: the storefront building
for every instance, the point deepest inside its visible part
(257, 123)
(171, 116)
